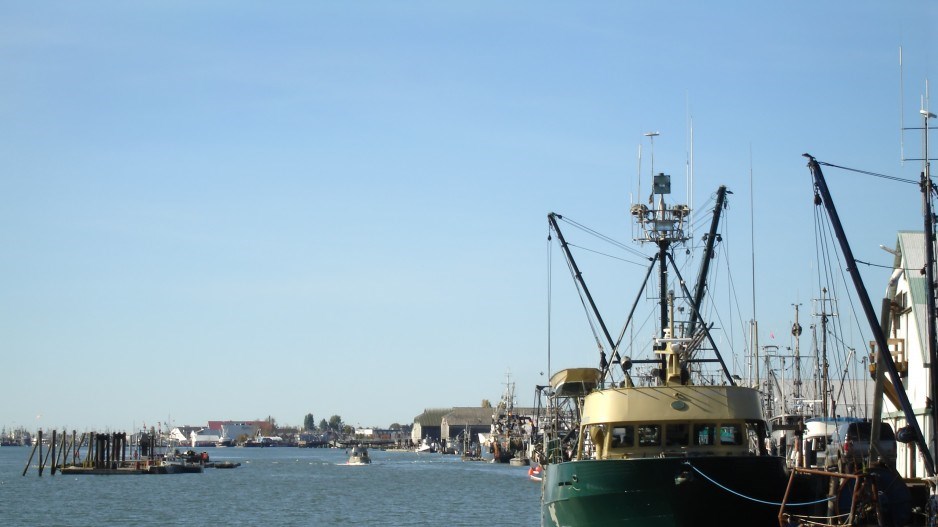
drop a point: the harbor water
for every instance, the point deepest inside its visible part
(278, 486)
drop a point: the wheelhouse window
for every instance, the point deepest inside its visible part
(703, 433)
(731, 434)
(677, 434)
(622, 437)
(649, 435)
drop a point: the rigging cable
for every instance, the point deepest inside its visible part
(868, 173)
(589, 316)
(601, 236)
(604, 254)
(847, 356)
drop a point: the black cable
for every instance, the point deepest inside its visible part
(868, 173)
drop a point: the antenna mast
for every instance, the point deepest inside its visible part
(796, 332)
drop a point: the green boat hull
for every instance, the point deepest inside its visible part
(666, 492)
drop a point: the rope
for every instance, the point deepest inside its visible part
(750, 498)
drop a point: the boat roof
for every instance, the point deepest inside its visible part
(575, 382)
(672, 403)
(837, 420)
(825, 426)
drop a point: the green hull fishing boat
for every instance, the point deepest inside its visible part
(676, 444)
(666, 456)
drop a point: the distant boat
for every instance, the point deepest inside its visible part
(179, 463)
(359, 456)
(426, 447)
(225, 464)
(511, 432)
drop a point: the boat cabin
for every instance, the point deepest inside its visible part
(637, 422)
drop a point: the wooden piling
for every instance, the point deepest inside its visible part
(64, 450)
(30, 460)
(48, 453)
(39, 433)
(52, 452)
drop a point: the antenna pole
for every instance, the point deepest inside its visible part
(639, 172)
(754, 327)
(901, 120)
(930, 271)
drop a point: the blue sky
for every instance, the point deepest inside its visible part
(231, 210)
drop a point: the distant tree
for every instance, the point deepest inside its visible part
(323, 425)
(335, 423)
(486, 403)
(348, 430)
(395, 426)
(309, 422)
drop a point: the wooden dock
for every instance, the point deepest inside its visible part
(107, 455)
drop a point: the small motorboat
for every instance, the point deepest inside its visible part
(358, 456)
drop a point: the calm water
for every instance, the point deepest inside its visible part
(278, 486)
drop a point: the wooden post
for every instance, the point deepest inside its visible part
(30, 460)
(40, 452)
(84, 462)
(64, 449)
(50, 451)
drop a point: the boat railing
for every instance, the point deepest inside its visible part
(554, 451)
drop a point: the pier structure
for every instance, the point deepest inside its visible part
(107, 454)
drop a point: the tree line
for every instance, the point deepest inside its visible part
(334, 424)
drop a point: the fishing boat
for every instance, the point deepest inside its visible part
(511, 430)
(672, 449)
(175, 462)
(427, 446)
(359, 456)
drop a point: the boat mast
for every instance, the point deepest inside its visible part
(754, 324)
(796, 332)
(825, 388)
(663, 226)
(824, 194)
(705, 264)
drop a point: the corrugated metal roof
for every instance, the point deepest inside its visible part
(469, 415)
(912, 258)
(432, 416)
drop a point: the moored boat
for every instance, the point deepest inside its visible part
(174, 462)
(677, 450)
